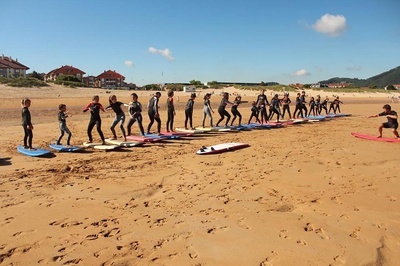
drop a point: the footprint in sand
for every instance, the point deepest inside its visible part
(193, 254)
(338, 260)
(241, 224)
(282, 234)
(270, 259)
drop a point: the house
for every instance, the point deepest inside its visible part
(339, 85)
(109, 79)
(64, 70)
(89, 81)
(11, 68)
(396, 86)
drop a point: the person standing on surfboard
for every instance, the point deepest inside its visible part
(221, 109)
(27, 124)
(95, 120)
(337, 103)
(285, 102)
(135, 112)
(262, 103)
(312, 106)
(392, 120)
(299, 107)
(189, 111)
(254, 112)
(274, 107)
(324, 105)
(62, 120)
(234, 109)
(303, 103)
(152, 109)
(318, 104)
(116, 106)
(170, 111)
(207, 110)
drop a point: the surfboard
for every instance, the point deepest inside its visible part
(124, 143)
(145, 138)
(174, 133)
(341, 115)
(64, 148)
(34, 153)
(219, 148)
(375, 138)
(163, 136)
(100, 146)
(214, 129)
(316, 117)
(192, 131)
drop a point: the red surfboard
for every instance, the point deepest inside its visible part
(370, 137)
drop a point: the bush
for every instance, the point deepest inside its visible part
(26, 82)
(4, 80)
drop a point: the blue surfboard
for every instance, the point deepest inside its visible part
(64, 148)
(33, 153)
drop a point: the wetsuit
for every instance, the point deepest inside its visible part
(153, 114)
(323, 106)
(254, 113)
(222, 112)
(170, 114)
(27, 124)
(95, 120)
(303, 104)
(207, 112)
(274, 108)
(135, 111)
(235, 112)
(120, 116)
(332, 107)
(337, 105)
(285, 104)
(189, 113)
(392, 122)
(318, 105)
(312, 107)
(262, 103)
(62, 120)
(299, 108)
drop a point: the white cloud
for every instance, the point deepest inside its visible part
(331, 25)
(129, 63)
(165, 52)
(301, 72)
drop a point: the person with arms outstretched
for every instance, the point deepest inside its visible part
(392, 120)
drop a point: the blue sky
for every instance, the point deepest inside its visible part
(179, 40)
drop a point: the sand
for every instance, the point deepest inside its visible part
(308, 194)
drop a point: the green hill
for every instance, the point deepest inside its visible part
(381, 80)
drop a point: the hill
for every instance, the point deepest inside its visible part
(381, 80)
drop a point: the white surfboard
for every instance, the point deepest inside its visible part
(100, 146)
(191, 131)
(124, 143)
(218, 148)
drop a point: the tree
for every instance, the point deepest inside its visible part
(35, 75)
(195, 82)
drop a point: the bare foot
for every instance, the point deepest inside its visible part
(379, 136)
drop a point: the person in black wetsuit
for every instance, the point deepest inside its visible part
(221, 109)
(95, 120)
(254, 112)
(153, 113)
(274, 107)
(27, 124)
(318, 105)
(116, 106)
(135, 112)
(312, 106)
(234, 109)
(337, 103)
(303, 103)
(262, 103)
(392, 120)
(324, 105)
(170, 111)
(331, 106)
(62, 120)
(285, 102)
(189, 111)
(299, 107)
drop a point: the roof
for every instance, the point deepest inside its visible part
(66, 70)
(8, 62)
(109, 74)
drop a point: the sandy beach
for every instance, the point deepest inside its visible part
(308, 194)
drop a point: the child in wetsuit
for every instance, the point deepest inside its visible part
(170, 111)
(254, 112)
(323, 105)
(27, 124)
(274, 107)
(62, 120)
(234, 109)
(221, 109)
(207, 110)
(135, 112)
(337, 103)
(312, 106)
(303, 103)
(116, 106)
(189, 110)
(318, 105)
(285, 105)
(299, 107)
(95, 119)
(262, 103)
(152, 110)
(392, 120)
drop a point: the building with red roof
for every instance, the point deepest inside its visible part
(109, 79)
(64, 70)
(11, 68)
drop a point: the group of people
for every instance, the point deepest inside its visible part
(135, 109)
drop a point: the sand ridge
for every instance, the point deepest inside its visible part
(308, 194)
